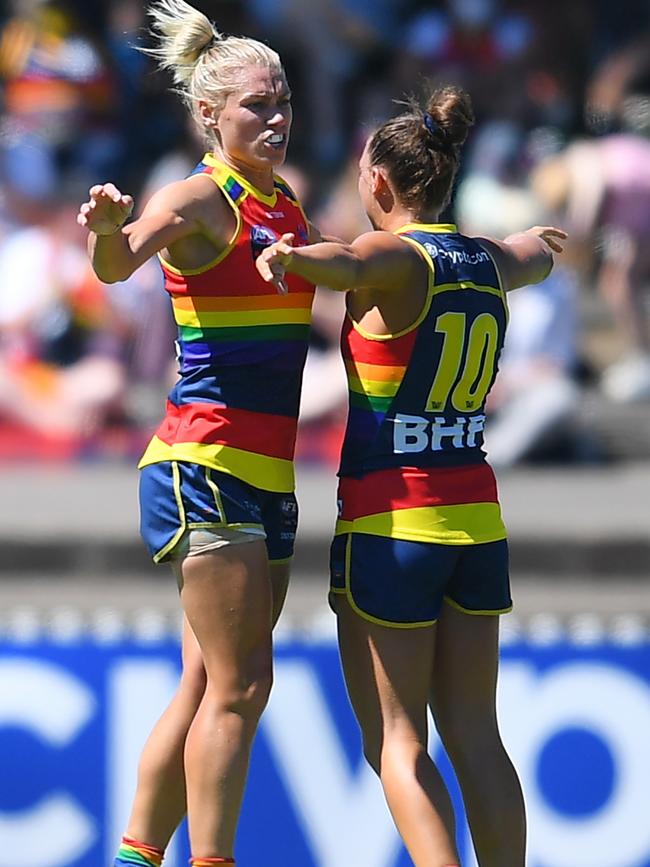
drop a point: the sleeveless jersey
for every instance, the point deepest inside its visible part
(413, 464)
(241, 346)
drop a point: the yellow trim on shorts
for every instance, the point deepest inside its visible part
(283, 561)
(223, 525)
(178, 535)
(215, 492)
(363, 614)
(494, 611)
(186, 525)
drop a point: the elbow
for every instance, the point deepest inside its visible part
(546, 264)
(111, 274)
(111, 269)
(109, 278)
(540, 267)
(344, 285)
(357, 276)
(111, 262)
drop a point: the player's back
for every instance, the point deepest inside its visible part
(417, 398)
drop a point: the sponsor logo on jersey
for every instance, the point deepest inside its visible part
(457, 257)
(261, 237)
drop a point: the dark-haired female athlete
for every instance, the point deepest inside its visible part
(419, 562)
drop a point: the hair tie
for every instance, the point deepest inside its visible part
(437, 133)
(432, 125)
(214, 39)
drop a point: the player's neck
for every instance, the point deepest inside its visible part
(427, 218)
(260, 177)
(398, 217)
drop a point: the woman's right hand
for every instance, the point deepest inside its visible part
(550, 235)
(272, 262)
(106, 211)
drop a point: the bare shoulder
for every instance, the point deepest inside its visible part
(188, 197)
(377, 241)
(197, 204)
(526, 257)
(495, 249)
(498, 252)
(388, 249)
(388, 262)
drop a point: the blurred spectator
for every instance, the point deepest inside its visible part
(465, 36)
(331, 49)
(323, 408)
(79, 103)
(470, 42)
(59, 100)
(324, 390)
(535, 399)
(603, 188)
(533, 405)
(59, 340)
(76, 354)
(341, 213)
(619, 83)
(323, 404)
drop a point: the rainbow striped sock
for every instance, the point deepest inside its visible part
(208, 862)
(134, 852)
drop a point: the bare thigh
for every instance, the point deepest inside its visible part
(387, 672)
(464, 677)
(228, 603)
(279, 576)
(193, 677)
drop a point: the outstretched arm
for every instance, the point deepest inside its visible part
(525, 257)
(118, 248)
(376, 260)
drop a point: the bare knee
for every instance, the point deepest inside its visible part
(193, 680)
(372, 754)
(245, 694)
(395, 747)
(252, 697)
(465, 735)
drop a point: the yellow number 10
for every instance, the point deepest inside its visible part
(470, 389)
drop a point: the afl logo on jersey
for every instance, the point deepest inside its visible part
(261, 237)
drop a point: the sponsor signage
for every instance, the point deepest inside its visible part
(74, 716)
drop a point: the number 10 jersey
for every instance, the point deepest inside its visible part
(417, 398)
(413, 465)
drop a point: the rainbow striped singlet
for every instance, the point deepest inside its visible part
(241, 347)
(413, 465)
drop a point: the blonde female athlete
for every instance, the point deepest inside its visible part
(217, 480)
(419, 565)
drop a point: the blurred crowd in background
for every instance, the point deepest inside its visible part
(562, 98)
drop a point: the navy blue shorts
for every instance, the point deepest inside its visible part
(397, 583)
(177, 497)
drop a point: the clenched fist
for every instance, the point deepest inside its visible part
(106, 211)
